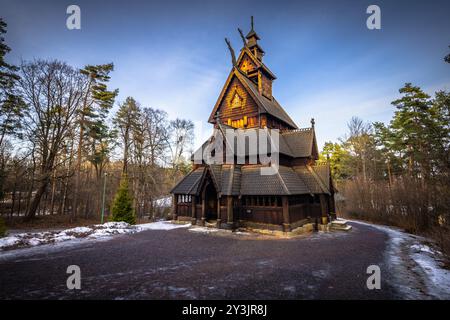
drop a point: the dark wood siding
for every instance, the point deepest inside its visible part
(267, 215)
(184, 209)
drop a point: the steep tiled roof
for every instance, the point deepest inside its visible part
(323, 171)
(301, 142)
(285, 182)
(258, 63)
(270, 106)
(247, 180)
(231, 179)
(216, 173)
(293, 143)
(311, 179)
(190, 183)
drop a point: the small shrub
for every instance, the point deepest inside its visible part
(122, 208)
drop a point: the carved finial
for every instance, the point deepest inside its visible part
(242, 37)
(233, 56)
(312, 122)
(252, 22)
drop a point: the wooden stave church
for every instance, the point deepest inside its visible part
(237, 195)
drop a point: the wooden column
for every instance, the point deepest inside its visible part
(219, 220)
(323, 209)
(230, 218)
(193, 211)
(174, 207)
(203, 210)
(286, 218)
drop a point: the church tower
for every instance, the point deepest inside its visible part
(246, 100)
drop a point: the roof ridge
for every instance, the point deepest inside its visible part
(258, 62)
(286, 131)
(317, 177)
(303, 180)
(271, 103)
(199, 178)
(214, 178)
(184, 178)
(282, 109)
(282, 182)
(321, 164)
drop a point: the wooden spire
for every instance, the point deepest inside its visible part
(242, 37)
(233, 56)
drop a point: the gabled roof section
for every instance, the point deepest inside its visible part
(231, 180)
(301, 142)
(270, 106)
(247, 180)
(216, 174)
(312, 180)
(324, 173)
(259, 64)
(252, 33)
(190, 183)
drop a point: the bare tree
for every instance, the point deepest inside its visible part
(156, 133)
(53, 92)
(359, 142)
(182, 135)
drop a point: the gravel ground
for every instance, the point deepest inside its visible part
(180, 264)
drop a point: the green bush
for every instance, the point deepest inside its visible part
(122, 207)
(2, 228)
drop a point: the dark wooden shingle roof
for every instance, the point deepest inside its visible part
(312, 180)
(299, 143)
(190, 183)
(270, 106)
(285, 182)
(248, 180)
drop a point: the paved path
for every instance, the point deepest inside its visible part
(180, 264)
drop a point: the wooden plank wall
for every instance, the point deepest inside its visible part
(270, 215)
(248, 108)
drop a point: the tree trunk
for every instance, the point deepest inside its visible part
(76, 191)
(37, 199)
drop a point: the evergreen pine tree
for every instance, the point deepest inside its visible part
(412, 125)
(126, 120)
(12, 106)
(122, 208)
(95, 137)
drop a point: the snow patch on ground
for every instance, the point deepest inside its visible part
(161, 225)
(426, 261)
(98, 231)
(203, 230)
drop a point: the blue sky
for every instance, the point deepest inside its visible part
(171, 54)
